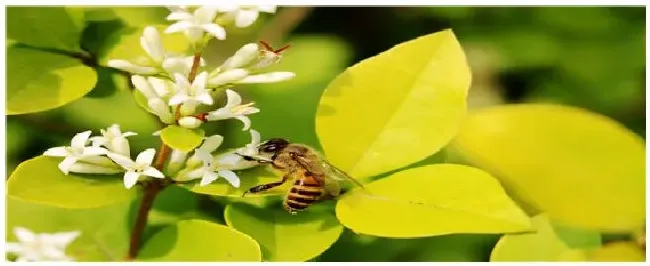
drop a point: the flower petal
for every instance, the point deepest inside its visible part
(24, 235)
(129, 134)
(122, 160)
(153, 172)
(179, 98)
(87, 168)
(65, 165)
(255, 137)
(233, 98)
(160, 86)
(80, 139)
(204, 98)
(161, 109)
(94, 150)
(211, 143)
(205, 14)
(152, 44)
(196, 173)
(179, 26)
(199, 82)
(244, 119)
(220, 114)
(179, 15)
(132, 68)
(142, 85)
(267, 8)
(215, 30)
(130, 178)
(13, 247)
(232, 178)
(229, 159)
(63, 239)
(208, 178)
(176, 65)
(268, 77)
(189, 122)
(242, 57)
(57, 152)
(146, 157)
(228, 76)
(246, 18)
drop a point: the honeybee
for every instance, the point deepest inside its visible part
(313, 177)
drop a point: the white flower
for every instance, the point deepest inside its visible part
(210, 171)
(75, 152)
(161, 109)
(182, 65)
(267, 77)
(191, 94)
(190, 122)
(41, 247)
(114, 140)
(228, 76)
(234, 161)
(194, 25)
(141, 166)
(234, 109)
(156, 57)
(209, 145)
(245, 16)
(244, 56)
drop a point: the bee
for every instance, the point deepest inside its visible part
(313, 177)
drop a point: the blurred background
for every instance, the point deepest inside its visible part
(591, 57)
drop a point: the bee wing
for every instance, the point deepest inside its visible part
(338, 174)
(332, 187)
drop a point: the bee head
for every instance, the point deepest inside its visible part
(273, 145)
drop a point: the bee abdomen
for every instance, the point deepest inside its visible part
(300, 198)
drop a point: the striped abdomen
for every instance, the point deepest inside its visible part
(305, 191)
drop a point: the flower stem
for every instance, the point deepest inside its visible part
(155, 186)
(151, 190)
(195, 67)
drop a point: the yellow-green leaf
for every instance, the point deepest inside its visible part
(282, 236)
(125, 44)
(562, 159)
(249, 178)
(38, 180)
(45, 27)
(432, 200)
(200, 241)
(617, 252)
(104, 230)
(39, 81)
(396, 108)
(182, 139)
(545, 244)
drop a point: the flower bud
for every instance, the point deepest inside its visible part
(161, 109)
(142, 85)
(229, 76)
(242, 57)
(268, 77)
(87, 168)
(190, 122)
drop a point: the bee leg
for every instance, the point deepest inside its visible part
(264, 187)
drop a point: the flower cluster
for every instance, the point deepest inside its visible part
(40, 247)
(181, 90)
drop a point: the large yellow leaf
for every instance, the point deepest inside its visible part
(396, 108)
(545, 244)
(617, 252)
(581, 168)
(432, 200)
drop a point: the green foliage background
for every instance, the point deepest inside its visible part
(587, 57)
